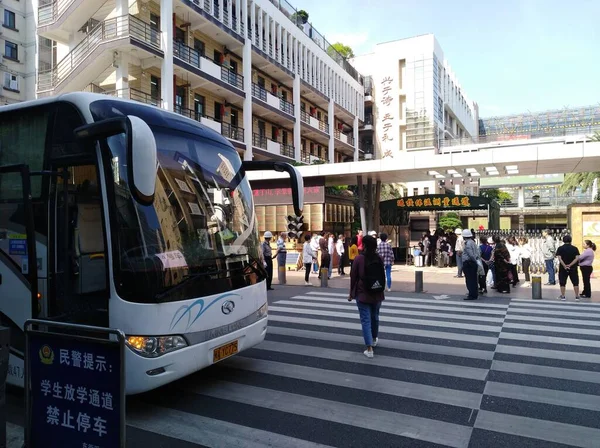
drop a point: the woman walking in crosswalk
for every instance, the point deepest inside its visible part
(367, 282)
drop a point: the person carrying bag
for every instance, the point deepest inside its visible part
(367, 285)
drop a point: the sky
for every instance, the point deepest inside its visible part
(510, 56)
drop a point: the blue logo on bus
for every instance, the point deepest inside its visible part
(196, 309)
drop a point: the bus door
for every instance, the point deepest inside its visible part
(78, 287)
(18, 261)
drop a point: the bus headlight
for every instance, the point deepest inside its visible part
(262, 311)
(155, 346)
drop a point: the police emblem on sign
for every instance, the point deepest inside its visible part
(46, 355)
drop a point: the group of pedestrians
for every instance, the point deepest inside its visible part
(502, 257)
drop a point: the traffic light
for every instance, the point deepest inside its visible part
(295, 224)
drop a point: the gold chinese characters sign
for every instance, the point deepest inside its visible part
(440, 201)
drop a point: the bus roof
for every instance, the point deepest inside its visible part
(83, 100)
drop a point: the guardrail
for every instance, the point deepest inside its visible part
(134, 94)
(110, 29)
(260, 141)
(49, 12)
(232, 132)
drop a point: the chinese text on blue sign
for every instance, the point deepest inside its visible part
(75, 392)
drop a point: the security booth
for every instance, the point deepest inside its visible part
(395, 215)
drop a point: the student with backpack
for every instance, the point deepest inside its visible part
(367, 285)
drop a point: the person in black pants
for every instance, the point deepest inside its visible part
(470, 255)
(568, 257)
(308, 257)
(268, 257)
(586, 260)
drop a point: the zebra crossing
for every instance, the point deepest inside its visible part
(453, 373)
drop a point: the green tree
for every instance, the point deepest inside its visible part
(497, 194)
(585, 181)
(344, 50)
(391, 191)
(300, 18)
(449, 222)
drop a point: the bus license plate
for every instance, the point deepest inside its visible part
(225, 351)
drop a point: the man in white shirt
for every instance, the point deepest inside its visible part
(339, 248)
(314, 245)
(330, 247)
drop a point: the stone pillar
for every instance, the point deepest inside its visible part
(298, 122)
(122, 76)
(331, 116)
(355, 135)
(361, 204)
(521, 198)
(247, 70)
(166, 80)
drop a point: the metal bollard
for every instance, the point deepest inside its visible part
(324, 277)
(536, 287)
(281, 275)
(418, 281)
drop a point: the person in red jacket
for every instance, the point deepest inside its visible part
(360, 241)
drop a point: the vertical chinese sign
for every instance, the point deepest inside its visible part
(76, 391)
(387, 126)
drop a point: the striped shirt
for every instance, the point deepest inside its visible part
(384, 249)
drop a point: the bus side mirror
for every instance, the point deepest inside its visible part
(295, 178)
(141, 151)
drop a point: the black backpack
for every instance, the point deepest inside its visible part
(374, 279)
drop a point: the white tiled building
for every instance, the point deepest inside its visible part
(249, 69)
(17, 56)
(413, 102)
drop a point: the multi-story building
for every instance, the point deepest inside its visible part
(17, 58)
(250, 69)
(413, 102)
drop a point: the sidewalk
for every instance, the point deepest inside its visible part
(439, 281)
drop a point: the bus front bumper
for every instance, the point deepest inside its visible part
(144, 374)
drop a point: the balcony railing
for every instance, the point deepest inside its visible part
(368, 120)
(292, 14)
(232, 78)
(134, 94)
(198, 60)
(49, 12)
(260, 141)
(348, 139)
(232, 132)
(259, 92)
(274, 101)
(211, 7)
(314, 121)
(286, 106)
(287, 150)
(548, 201)
(110, 29)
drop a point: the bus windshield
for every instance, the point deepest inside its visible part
(199, 236)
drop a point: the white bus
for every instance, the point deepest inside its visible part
(137, 219)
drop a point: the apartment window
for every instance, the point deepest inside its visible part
(284, 137)
(179, 35)
(284, 95)
(11, 50)
(425, 190)
(233, 118)
(405, 192)
(274, 133)
(218, 57)
(219, 111)
(9, 19)
(261, 128)
(199, 46)
(11, 82)
(155, 87)
(415, 192)
(199, 102)
(261, 82)
(154, 22)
